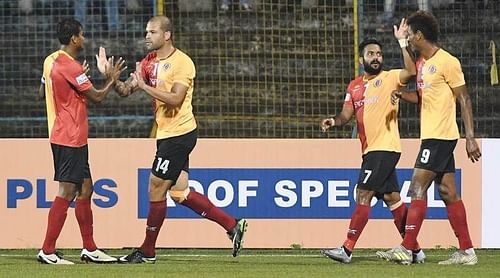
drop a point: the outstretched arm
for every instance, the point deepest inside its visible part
(472, 148)
(123, 88)
(112, 72)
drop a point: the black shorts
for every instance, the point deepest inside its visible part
(71, 164)
(436, 155)
(172, 155)
(378, 172)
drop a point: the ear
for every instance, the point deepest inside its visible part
(167, 35)
(419, 35)
(360, 60)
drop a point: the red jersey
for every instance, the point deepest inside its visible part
(65, 82)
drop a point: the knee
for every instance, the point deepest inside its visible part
(443, 191)
(158, 188)
(68, 191)
(179, 195)
(68, 196)
(447, 193)
(86, 190)
(418, 190)
(154, 186)
(392, 199)
(364, 197)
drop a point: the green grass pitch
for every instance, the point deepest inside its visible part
(251, 263)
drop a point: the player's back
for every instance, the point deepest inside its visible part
(49, 95)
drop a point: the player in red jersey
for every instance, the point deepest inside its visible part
(440, 83)
(167, 75)
(67, 89)
(368, 97)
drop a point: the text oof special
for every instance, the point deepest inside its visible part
(251, 193)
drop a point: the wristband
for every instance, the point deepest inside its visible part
(403, 43)
(333, 121)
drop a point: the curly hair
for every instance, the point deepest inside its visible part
(426, 23)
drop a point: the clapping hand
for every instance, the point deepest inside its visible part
(137, 77)
(113, 70)
(101, 60)
(86, 68)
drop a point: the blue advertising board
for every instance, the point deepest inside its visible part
(285, 193)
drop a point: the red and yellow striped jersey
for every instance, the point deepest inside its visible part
(65, 81)
(435, 78)
(376, 117)
(162, 74)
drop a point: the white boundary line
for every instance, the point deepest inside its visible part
(249, 255)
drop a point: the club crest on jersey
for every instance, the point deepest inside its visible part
(377, 83)
(431, 69)
(166, 66)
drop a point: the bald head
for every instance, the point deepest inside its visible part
(165, 23)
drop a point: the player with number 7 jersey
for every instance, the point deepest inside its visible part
(368, 97)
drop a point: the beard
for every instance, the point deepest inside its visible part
(153, 46)
(371, 70)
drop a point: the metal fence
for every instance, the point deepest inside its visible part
(269, 69)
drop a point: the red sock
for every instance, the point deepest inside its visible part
(358, 222)
(458, 221)
(399, 215)
(157, 213)
(57, 216)
(85, 219)
(414, 220)
(201, 205)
